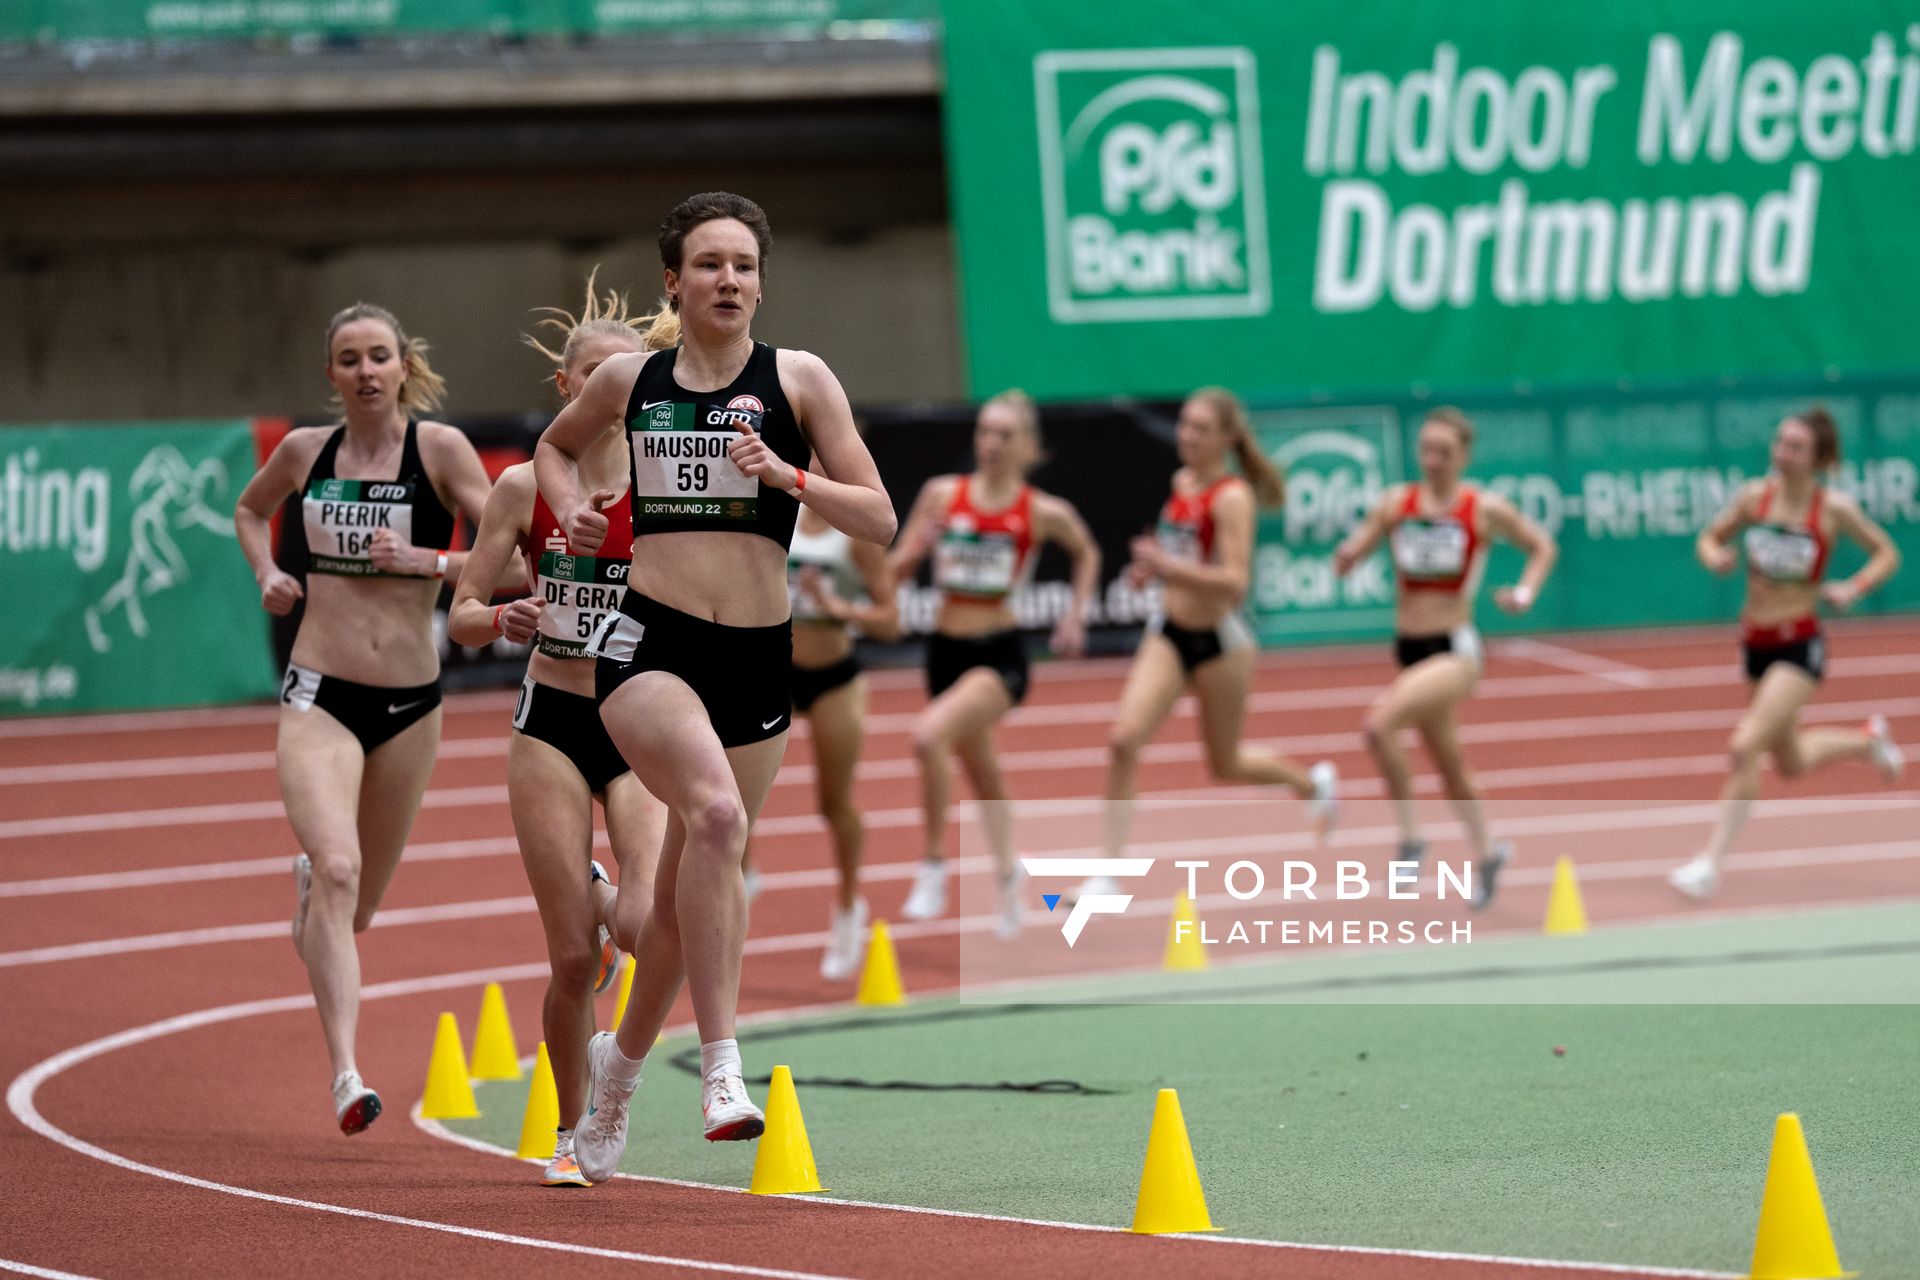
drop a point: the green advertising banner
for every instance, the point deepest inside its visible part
(1315, 198)
(118, 544)
(1623, 482)
(54, 21)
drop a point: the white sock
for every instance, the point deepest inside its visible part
(719, 1055)
(624, 1070)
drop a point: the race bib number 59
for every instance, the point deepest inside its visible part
(681, 468)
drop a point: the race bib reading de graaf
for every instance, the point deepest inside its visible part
(1430, 548)
(681, 469)
(1784, 555)
(975, 564)
(580, 592)
(341, 517)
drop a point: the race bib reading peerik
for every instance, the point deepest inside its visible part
(341, 517)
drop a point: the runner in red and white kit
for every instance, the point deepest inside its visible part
(1199, 638)
(1438, 530)
(559, 758)
(983, 530)
(1788, 523)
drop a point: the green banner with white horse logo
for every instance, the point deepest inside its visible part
(127, 586)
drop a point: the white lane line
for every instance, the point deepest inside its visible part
(435, 1129)
(1098, 711)
(1064, 758)
(48, 1273)
(245, 868)
(1553, 655)
(1616, 819)
(224, 762)
(20, 1100)
(889, 766)
(120, 722)
(440, 1131)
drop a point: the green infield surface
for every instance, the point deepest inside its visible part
(1416, 1125)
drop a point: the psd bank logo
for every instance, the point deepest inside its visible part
(1151, 184)
(1087, 905)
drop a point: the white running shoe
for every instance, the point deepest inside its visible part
(1324, 806)
(750, 881)
(1006, 925)
(302, 889)
(846, 940)
(927, 900)
(354, 1105)
(563, 1170)
(730, 1113)
(1697, 879)
(602, 1135)
(1096, 886)
(1887, 756)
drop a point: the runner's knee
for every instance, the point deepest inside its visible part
(575, 963)
(717, 821)
(336, 877)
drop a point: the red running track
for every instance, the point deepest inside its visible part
(145, 880)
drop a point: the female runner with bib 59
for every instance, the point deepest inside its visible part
(1787, 524)
(694, 668)
(559, 758)
(360, 705)
(1438, 529)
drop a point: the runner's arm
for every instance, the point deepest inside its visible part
(1359, 544)
(1233, 534)
(1504, 520)
(849, 495)
(474, 620)
(1057, 521)
(1712, 547)
(269, 489)
(556, 458)
(463, 488)
(923, 527)
(879, 618)
(1883, 557)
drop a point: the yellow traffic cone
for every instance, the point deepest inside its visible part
(1794, 1241)
(1170, 1195)
(1185, 952)
(494, 1054)
(784, 1163)
(880, 977)
(627, 967)
(449, 1094)
(543, 1111)
(1565, 912)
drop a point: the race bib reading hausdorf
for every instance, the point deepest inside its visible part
(680, 465)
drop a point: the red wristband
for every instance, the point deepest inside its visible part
(497, 611)
(799, 479)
